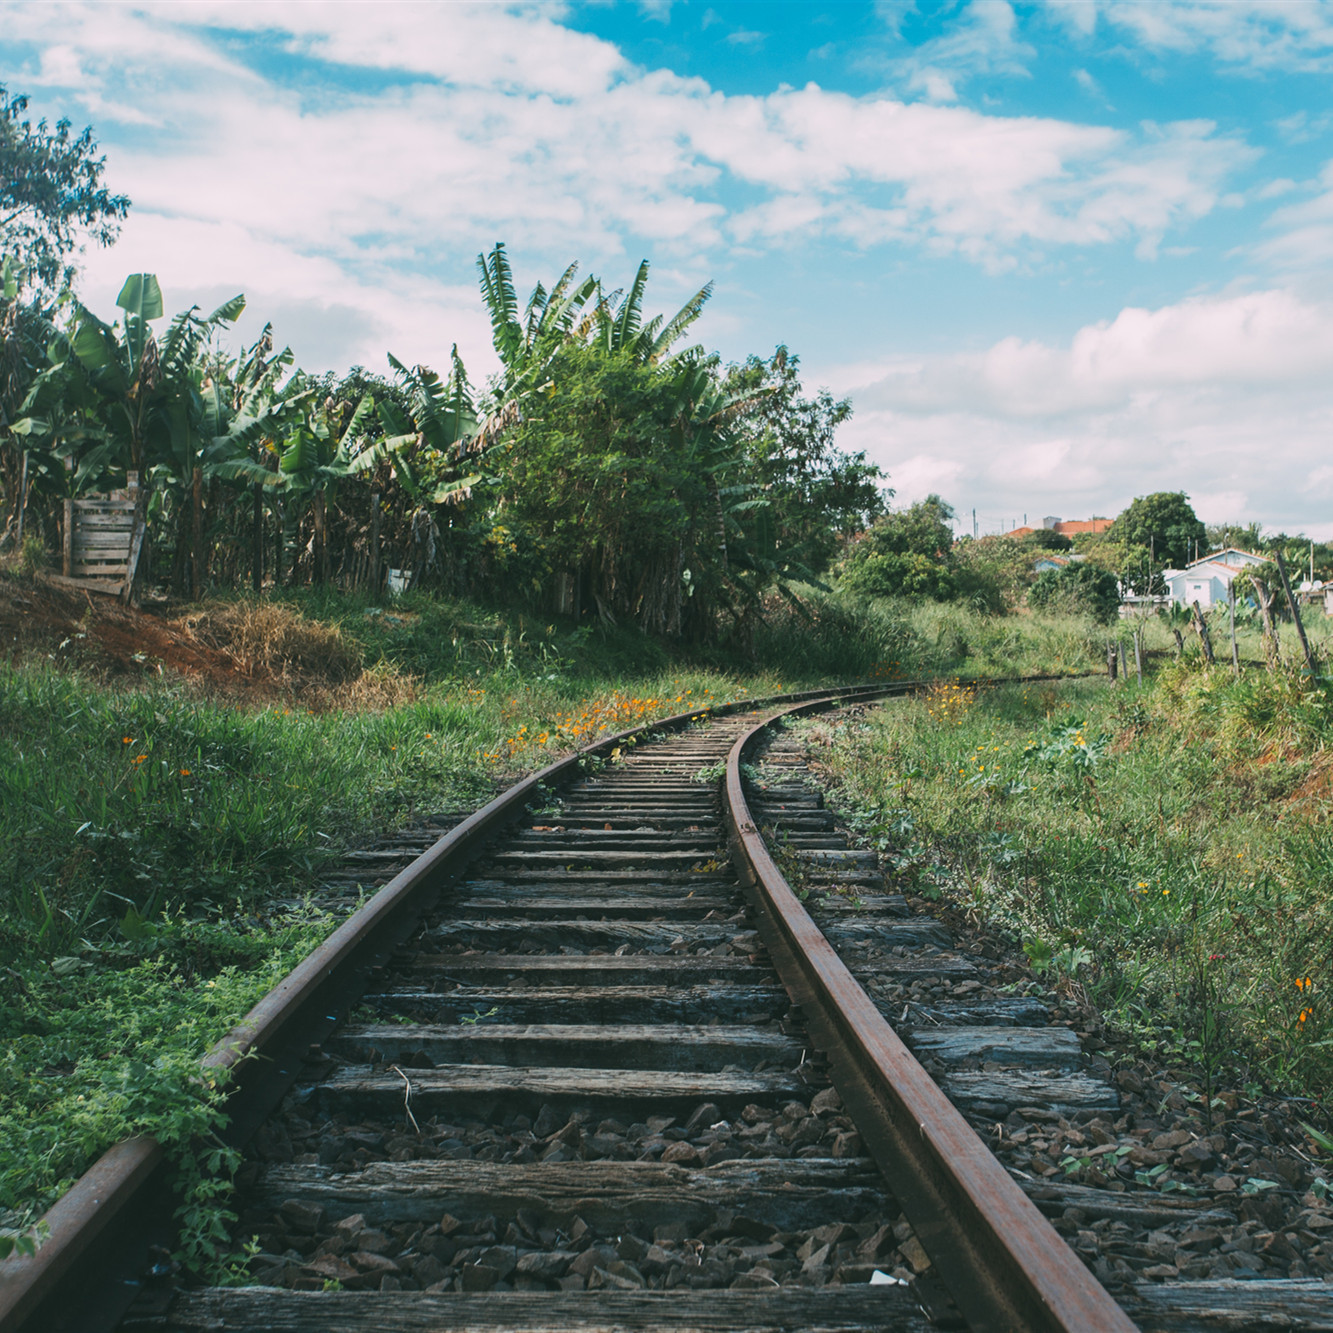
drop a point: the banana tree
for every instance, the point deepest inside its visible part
(620, 328)
(317, 450)
(432, 450)
(147, 389)
(526, 346)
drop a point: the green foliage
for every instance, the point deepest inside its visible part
(1078, 588)
(51, 194)
(907, 553)
(1162, 526)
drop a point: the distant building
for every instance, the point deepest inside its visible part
(1065, 528)
(1208, 580)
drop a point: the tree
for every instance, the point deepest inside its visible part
(1078, 588)
(817, 495)
(907, 553)
(51, 194)
(1163, 526)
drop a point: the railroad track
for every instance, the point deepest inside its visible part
(604, 1073)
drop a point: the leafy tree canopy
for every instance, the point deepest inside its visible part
(1163, 524)
(51, 194)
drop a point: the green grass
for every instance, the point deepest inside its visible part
(1166, 846)
(158, 862)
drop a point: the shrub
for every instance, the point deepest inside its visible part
(1077, 589)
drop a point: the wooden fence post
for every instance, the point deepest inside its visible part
(1201, 628)
(1295, 612)
(23, 498)
(319, 555)
(138, 529)
(1180, 641)
(1138, 655)
(1112, 662)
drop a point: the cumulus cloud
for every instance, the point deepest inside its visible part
(1224, 397)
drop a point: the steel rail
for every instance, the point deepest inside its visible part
(1002, 1261)
(104, 1225)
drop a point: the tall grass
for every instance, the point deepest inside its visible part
(1166, 846)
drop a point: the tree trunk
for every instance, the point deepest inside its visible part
(196, 533)
(257, 539)
(1272, 649)
(319, 572)
(138, 528)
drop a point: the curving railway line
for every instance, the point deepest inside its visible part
(587, 1062)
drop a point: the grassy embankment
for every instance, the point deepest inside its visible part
(1166, 846)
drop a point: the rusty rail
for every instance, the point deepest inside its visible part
(121, 1206)
(1003, 1262)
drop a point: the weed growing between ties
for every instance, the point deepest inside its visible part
(1165, 848)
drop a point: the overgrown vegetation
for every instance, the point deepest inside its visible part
(1166, 847)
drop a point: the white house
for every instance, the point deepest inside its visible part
(1208, 580)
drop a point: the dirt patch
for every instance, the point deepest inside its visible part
(1316, 792)
(253, 652)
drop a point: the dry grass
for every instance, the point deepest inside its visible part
(268, 640)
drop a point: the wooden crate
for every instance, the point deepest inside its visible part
(97, 541)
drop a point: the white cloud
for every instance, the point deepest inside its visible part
(483, 122)
(1247, 34)
(982, 41)
(1224, 397)
(1305, 230)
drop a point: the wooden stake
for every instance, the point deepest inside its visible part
(1112, 662)
(23, 497)
(320, 572)
(1138, 654)
(1201, 628)
(137, 530)
(1295, 612)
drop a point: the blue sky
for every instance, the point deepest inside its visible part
(1059, 254)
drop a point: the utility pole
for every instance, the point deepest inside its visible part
(974, 525)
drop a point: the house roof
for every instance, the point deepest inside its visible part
(1212, 569)
(1215, 557)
